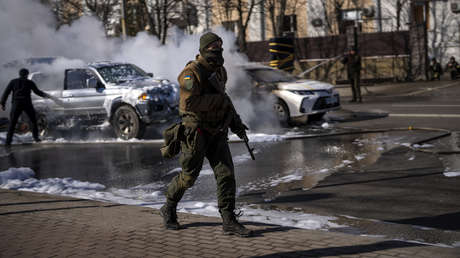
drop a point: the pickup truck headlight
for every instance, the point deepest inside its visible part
(144, 96)
(302, 92)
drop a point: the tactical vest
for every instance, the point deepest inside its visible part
(210, 119)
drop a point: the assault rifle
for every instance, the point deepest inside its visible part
(218, 85)
(250, 150)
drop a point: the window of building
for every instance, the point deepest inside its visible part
(289, 23)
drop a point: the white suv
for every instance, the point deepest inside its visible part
(298, 100)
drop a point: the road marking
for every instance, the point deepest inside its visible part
(422, 105)
(430, 89)
(427, 115)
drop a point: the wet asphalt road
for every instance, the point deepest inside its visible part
(392, 190)
(381, 185)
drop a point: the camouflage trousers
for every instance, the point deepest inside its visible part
(355, 87)
(196, 146)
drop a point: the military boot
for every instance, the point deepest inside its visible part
(168, 212)
(231, 226)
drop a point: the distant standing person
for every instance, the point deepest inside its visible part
(435, 70)
(353, 62)
(21, 101)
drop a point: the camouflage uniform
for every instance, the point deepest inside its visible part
(204, 110)
(353, 63)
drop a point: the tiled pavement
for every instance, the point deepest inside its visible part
(39, 225)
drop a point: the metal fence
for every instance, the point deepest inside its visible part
(384, 55)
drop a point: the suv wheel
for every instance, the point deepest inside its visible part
(126, 123)
(282, 111)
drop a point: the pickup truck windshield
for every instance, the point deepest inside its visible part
(270, 75)
(120, 73)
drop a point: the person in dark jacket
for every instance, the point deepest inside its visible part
(453, 67)
(435, 70)
(21, 89)
(353, 62)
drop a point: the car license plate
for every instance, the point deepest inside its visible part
(330, 100)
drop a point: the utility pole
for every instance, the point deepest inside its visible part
(262, 19)
(123, 19)
(418, 38)
(379, 13)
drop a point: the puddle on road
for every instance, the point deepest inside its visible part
(279, 166)
(451, 161)
(302, 164)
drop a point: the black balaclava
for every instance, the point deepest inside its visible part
(215, 56)
(23, 73)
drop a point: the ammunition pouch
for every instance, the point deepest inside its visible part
(172, 138)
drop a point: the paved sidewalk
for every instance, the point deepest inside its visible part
(39, 225)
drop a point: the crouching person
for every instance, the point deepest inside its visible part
(207, 113)
(453, 67)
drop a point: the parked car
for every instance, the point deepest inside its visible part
(297, 100)
(122, 94)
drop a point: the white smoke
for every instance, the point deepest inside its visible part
(28, 29)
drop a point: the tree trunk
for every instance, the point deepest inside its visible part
(243, 24)
(165, 22)
(158, 16)
(150, 20)
(281, 18)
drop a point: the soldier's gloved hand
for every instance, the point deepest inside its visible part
(241, 131)
(3, 107)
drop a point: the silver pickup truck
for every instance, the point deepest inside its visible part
(121, 95)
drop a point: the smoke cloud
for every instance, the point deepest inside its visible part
(28, 29)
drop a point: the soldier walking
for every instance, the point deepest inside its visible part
(21, 101)
(353, 62)
(207, 112)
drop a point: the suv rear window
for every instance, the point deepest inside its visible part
(76, 78)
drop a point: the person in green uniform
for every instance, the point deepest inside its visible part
(353, 63)
(207, 113)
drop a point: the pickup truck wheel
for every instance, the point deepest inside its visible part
(42, 124)
(126, 123)
(282, 111)
(23, 125)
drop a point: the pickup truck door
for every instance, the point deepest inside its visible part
(81, 99)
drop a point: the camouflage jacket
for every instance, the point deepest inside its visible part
(200, 102)
(353, 63)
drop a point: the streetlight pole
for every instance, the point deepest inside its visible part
(379, 11)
